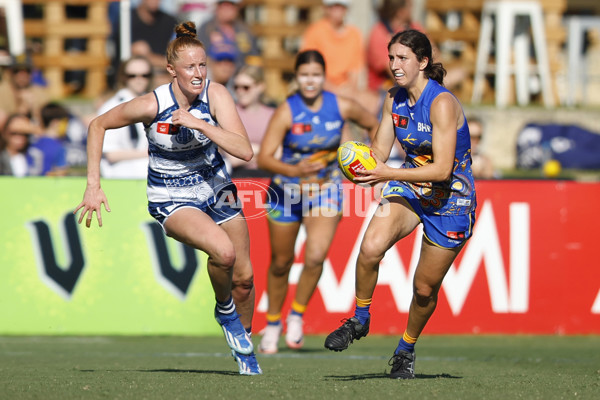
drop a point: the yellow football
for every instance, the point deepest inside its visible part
(354, 156)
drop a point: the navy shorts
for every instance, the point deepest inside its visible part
(223, 207)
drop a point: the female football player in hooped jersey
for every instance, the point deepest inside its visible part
(435, 187)
(305, 189)
(189, 191)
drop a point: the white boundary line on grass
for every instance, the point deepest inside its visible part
(309, 356)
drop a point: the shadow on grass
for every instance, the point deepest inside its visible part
(385, 375)
(305, 350)
(179, 371)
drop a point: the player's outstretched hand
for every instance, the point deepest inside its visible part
(93, 199)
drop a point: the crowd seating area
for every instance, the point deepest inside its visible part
(278, 24)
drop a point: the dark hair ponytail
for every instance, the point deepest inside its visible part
(308, 56)
(421, 46)
(436, 71)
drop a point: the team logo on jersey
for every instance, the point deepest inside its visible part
(300, 128)
(400, 121)
(185, 135)
(167, 129)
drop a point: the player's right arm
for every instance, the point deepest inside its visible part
(141, 109)
(385, 136)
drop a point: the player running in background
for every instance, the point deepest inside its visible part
(187, 179)
(435, 187)
(308, 127)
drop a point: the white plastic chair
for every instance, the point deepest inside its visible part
(512, 34)
(577, 25)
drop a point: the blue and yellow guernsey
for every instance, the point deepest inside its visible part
(413, 129)
(184, 165)
(314, 135)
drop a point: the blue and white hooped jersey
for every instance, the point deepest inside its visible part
(313, 134)
(184, 165)
(413, 129)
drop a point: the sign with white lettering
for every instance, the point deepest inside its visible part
(530, 266)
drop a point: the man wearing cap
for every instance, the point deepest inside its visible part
(222, 67)
(228, 29)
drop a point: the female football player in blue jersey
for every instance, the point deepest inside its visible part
(434, 187)
(189, 191)
(305, 189)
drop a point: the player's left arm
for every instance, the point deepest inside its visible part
(446, 117)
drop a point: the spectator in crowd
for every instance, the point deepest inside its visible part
(221, 67)
(305, 189)
(14, 143)
(69, 128)
(5, 58)
(249, 87)
(48, 153)
(125, 150)
(20, 95)
(151, 31)
(394, 16)
(227, 29)
(482, 165)
(75, 138)
(6, 61)
(342, 45)
(198, 11)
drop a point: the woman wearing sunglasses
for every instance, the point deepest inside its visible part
(249, 86)
(125, 151)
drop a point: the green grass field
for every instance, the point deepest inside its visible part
(448, 367)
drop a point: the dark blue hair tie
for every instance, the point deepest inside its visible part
(190, 29)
